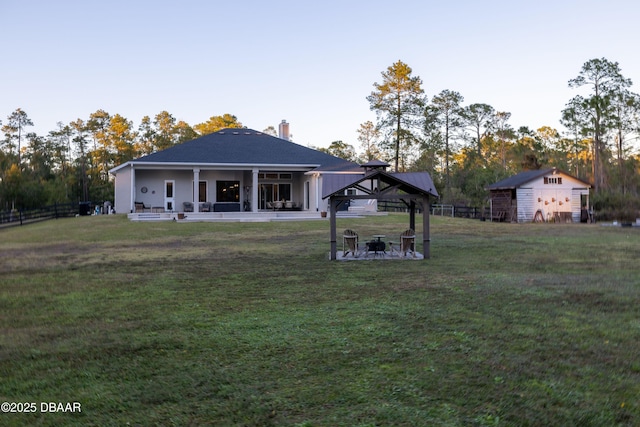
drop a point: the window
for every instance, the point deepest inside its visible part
(228, 191)
(553, 180)
(275, 176)
(284, 192)
(202, 191)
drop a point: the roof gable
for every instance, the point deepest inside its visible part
(408, 182)
(525, 177)
(244, 146)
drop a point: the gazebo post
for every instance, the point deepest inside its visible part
(332, 221)
(412, 214)
(426, 236)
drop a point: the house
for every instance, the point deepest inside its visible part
(540, 195)
(232, 170)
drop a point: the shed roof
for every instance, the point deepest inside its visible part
(525, 177)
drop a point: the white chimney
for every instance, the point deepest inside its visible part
(283, 130)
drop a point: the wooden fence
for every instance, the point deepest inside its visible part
(437, 209)
(58, 210)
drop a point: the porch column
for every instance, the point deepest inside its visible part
(254, 190)
(133, 190)
(316, 177)
(196, 190)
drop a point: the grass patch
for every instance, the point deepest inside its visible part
(248, 324)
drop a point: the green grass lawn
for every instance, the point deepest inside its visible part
(250, 324)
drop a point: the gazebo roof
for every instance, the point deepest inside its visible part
(408, 182)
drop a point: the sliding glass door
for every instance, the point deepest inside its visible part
(272, 192)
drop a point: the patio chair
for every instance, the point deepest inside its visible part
(408, 242)
(187, 206)
(140, 207)
(204, 207)
(350, 243)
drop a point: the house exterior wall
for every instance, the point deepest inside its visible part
(153, 181)
(123, 201)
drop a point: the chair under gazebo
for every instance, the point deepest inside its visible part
(413, 188)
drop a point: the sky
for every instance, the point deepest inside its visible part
(310, 63)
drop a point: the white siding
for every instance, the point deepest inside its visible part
(122, 202)
(526, 205)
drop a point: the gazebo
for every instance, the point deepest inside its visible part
(413, 188)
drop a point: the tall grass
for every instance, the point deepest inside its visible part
(246, 324)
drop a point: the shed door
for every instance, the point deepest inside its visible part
(552, 201)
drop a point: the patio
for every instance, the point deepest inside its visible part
(387, 255)
(261, 216)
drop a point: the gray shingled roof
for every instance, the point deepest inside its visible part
(409, 182)
(245, 146)
(517, 180)
(522, 178)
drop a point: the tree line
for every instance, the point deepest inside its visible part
(72, 162)
(464, 147)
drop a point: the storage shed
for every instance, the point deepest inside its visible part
(540, 195)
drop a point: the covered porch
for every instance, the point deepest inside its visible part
(260, 216)
(207, 189)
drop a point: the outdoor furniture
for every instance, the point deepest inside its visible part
(187, 206)
(140, 207)
(408, 242)
(350, 243)
(288, 204)
(277, 205)
(377, 245)
(204, 207)
(226, 207)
